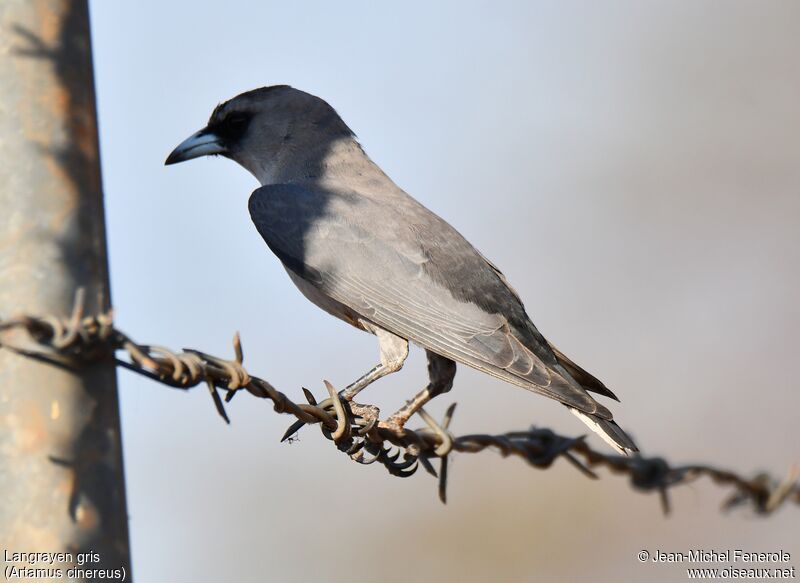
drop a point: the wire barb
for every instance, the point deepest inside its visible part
(354, 428)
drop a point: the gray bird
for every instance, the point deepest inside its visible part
(363, 250)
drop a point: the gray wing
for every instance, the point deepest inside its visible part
(408, 271)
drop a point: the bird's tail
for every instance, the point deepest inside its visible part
(611, 433)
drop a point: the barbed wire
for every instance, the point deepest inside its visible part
(356, 429)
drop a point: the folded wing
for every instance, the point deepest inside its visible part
(403, 268)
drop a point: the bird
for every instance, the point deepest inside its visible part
(363, 250)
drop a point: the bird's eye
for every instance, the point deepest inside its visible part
(236, 120)
(233, 125)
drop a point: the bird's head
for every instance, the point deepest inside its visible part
(263, 128)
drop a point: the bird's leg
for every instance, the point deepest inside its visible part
(441, 372)
(394, 351)
(364, 381)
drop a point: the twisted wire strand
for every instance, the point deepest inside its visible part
(355, 429)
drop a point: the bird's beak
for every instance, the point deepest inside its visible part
(203, 143)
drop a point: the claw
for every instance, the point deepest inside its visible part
(401, 469)
(368, 427)
(359, 457)
(355, 448)
(402, 473)
(367, 413)
(408, 461)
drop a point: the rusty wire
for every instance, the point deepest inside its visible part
(355, 429)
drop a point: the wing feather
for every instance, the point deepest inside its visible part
(366, 256)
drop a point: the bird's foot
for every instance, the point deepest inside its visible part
(395, 424)
(397, 420)
(366, 416)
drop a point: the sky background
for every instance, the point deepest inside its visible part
(632, 167)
